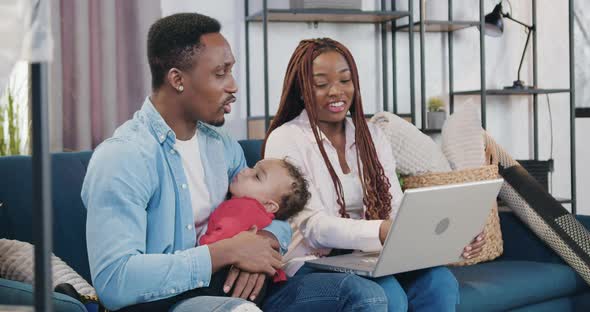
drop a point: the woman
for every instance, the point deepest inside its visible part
(351, 171)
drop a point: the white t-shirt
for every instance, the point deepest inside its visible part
(193, 170)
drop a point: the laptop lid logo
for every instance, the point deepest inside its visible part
(442, 226)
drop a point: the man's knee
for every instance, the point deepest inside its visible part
(362, 294)
(206, 303)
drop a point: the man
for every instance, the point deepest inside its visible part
(150, 189)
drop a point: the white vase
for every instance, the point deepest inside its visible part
(435, 120)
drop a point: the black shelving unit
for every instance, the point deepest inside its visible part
(583, 112)
(450, 26)
(382, 17)
(326, 16)
(513, 91)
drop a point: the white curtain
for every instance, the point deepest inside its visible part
(26, 34)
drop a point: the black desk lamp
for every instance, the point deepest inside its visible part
(494, 27)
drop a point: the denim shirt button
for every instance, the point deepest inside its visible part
(183, 185)
(189, 227)
(200, 284)
(172, 291)
(162, 137)
(172, 151)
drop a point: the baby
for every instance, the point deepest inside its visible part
(273, 189)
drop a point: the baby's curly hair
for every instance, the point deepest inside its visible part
(293, 202)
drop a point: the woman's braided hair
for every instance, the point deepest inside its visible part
(298, 94)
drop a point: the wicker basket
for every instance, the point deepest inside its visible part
(494, 244)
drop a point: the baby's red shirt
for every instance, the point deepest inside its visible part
(234, 216)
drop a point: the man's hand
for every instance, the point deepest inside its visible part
(383, 230)
(474, 249)
(248, 251)
(246, 285)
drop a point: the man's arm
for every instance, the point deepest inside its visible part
(117, 188)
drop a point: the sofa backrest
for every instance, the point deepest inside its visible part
(69, 215)
(252, 151)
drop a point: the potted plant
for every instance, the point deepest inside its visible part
(11, 130)
(436, 113)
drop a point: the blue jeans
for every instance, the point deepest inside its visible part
(434, 289)
(213, 304)
(311, 290)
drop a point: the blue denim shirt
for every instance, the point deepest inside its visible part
(140, 227)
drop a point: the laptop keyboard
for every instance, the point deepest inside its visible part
(370, 260)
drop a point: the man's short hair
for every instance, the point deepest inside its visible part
(174, 40)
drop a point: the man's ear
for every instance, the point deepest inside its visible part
(175, 78)
(271, 206)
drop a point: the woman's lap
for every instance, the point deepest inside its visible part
(433, 289)
(311, 290)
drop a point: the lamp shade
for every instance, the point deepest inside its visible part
(494, 25)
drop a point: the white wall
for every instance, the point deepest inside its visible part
(509, 118)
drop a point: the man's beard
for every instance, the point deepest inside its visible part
(218, 123)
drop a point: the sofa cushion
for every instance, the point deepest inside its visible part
(414, 152)
(17, 293)
(504, 285)
(69, 215)
(564, 304)
(252, 151)
(522, 244)
(547, 218)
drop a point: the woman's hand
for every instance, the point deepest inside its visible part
(384, 230)
(474, 249)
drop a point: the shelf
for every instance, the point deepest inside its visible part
(563, 200)
(440, 26)
(328, 15)
(583, 112)
(431, 131)
(513, 91)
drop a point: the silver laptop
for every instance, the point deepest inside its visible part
(432, 227)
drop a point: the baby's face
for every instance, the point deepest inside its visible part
(268, 180)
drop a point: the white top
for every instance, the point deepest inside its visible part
(353, 194)
(319, 227)
(189, 152)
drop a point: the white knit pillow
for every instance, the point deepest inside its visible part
(414, 152)
(462, 140)
(16, 264)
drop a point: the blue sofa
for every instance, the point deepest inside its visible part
(527, 277)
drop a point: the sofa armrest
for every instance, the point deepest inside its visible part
(17, 293)
(520, 243)
(585, 220)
